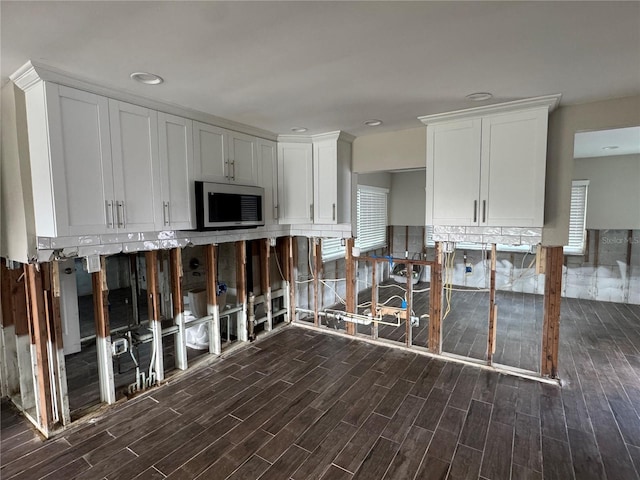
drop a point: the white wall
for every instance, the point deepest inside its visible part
(379, 179)
(18, 224)
(407, 198)
(390, 151)
(563, 124)
(613, 199)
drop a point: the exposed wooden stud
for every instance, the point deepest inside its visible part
(596, 249)
(435, 302)
(176, 273)
(153, 305)
(241, 289)
(551, 322)
(317, 266)
(374, 298)
(350, 265)
(133, 281)
(390, 240)
(8, 286)
(38, 327)
(210, 260)
(103, 333)
(55, 323)
(265, 280)
(628, 276)
(292, 259)
(491, 346)
(408, 328)
(406, 241)
(541, 259)
(586, 245)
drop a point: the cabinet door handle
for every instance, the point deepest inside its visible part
(120, 214)
(109, 211)
(226, 169)
(233, 175)
(311, 212)
(475, 211)
(334, 212)
(275, 212)
(166, 213)
(484, 211)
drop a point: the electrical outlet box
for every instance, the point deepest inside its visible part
(468, 269)
(92, 263)
(119, 346)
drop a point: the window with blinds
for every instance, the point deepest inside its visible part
(372, 218)
(371, 224)
(577, 217)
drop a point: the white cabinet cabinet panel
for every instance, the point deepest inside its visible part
(136, 169)
(176, 171)
(243, 159)
(268, 162)
(295, 182)
(325, 185)
(453, 172)
(211, 152)
(513, 184)
(70, 160)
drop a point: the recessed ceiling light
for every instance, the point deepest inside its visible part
(299, 129)
(373, 123)
(479, 96)
(610, 147)
(147, 78)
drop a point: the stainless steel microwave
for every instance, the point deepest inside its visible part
(225, 206)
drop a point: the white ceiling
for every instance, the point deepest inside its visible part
(332, 65)
(607, 143)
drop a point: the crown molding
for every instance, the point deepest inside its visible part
(548, 101)
(33, 72)
(320, 137)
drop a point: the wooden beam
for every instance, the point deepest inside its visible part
(408, 328)
(551, 322)
(317, 266)
(491, 345)
(241, 288)
(103, 333)
(55, 333)
(406, 241)
(6, 295)
(177, 300)
(265, 279)
(435, 302)
(292, 259)
(39, 331)
(374, 299)
(586, 248)
(153, 305)
(596, 249)
(390, 240)
(210, 259)
(350, 265)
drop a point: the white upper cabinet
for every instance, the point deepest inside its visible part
(316, 171)
(224, 156)
(486, 166)
(268, 161)
(295, 182)
(136, 169)
(176, 171)
(71, 162)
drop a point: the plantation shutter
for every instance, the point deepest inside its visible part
(577, 217)
(372, 218)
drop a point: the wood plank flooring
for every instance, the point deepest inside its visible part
(304, 405)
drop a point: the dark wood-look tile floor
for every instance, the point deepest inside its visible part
(305, 405)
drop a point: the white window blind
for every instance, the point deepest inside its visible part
(332, 249)
(577, 217)
(372, 218)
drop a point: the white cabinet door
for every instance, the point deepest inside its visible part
(81, 167)
(243, 159)
(325, 183)
(211, 153)
(134, 140)
(453, 173)
(513, 169)
(269, 179)
(295, 182)
(176, 162)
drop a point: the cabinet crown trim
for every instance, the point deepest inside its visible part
(548, 101)
(337, 135)
(33, 72)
